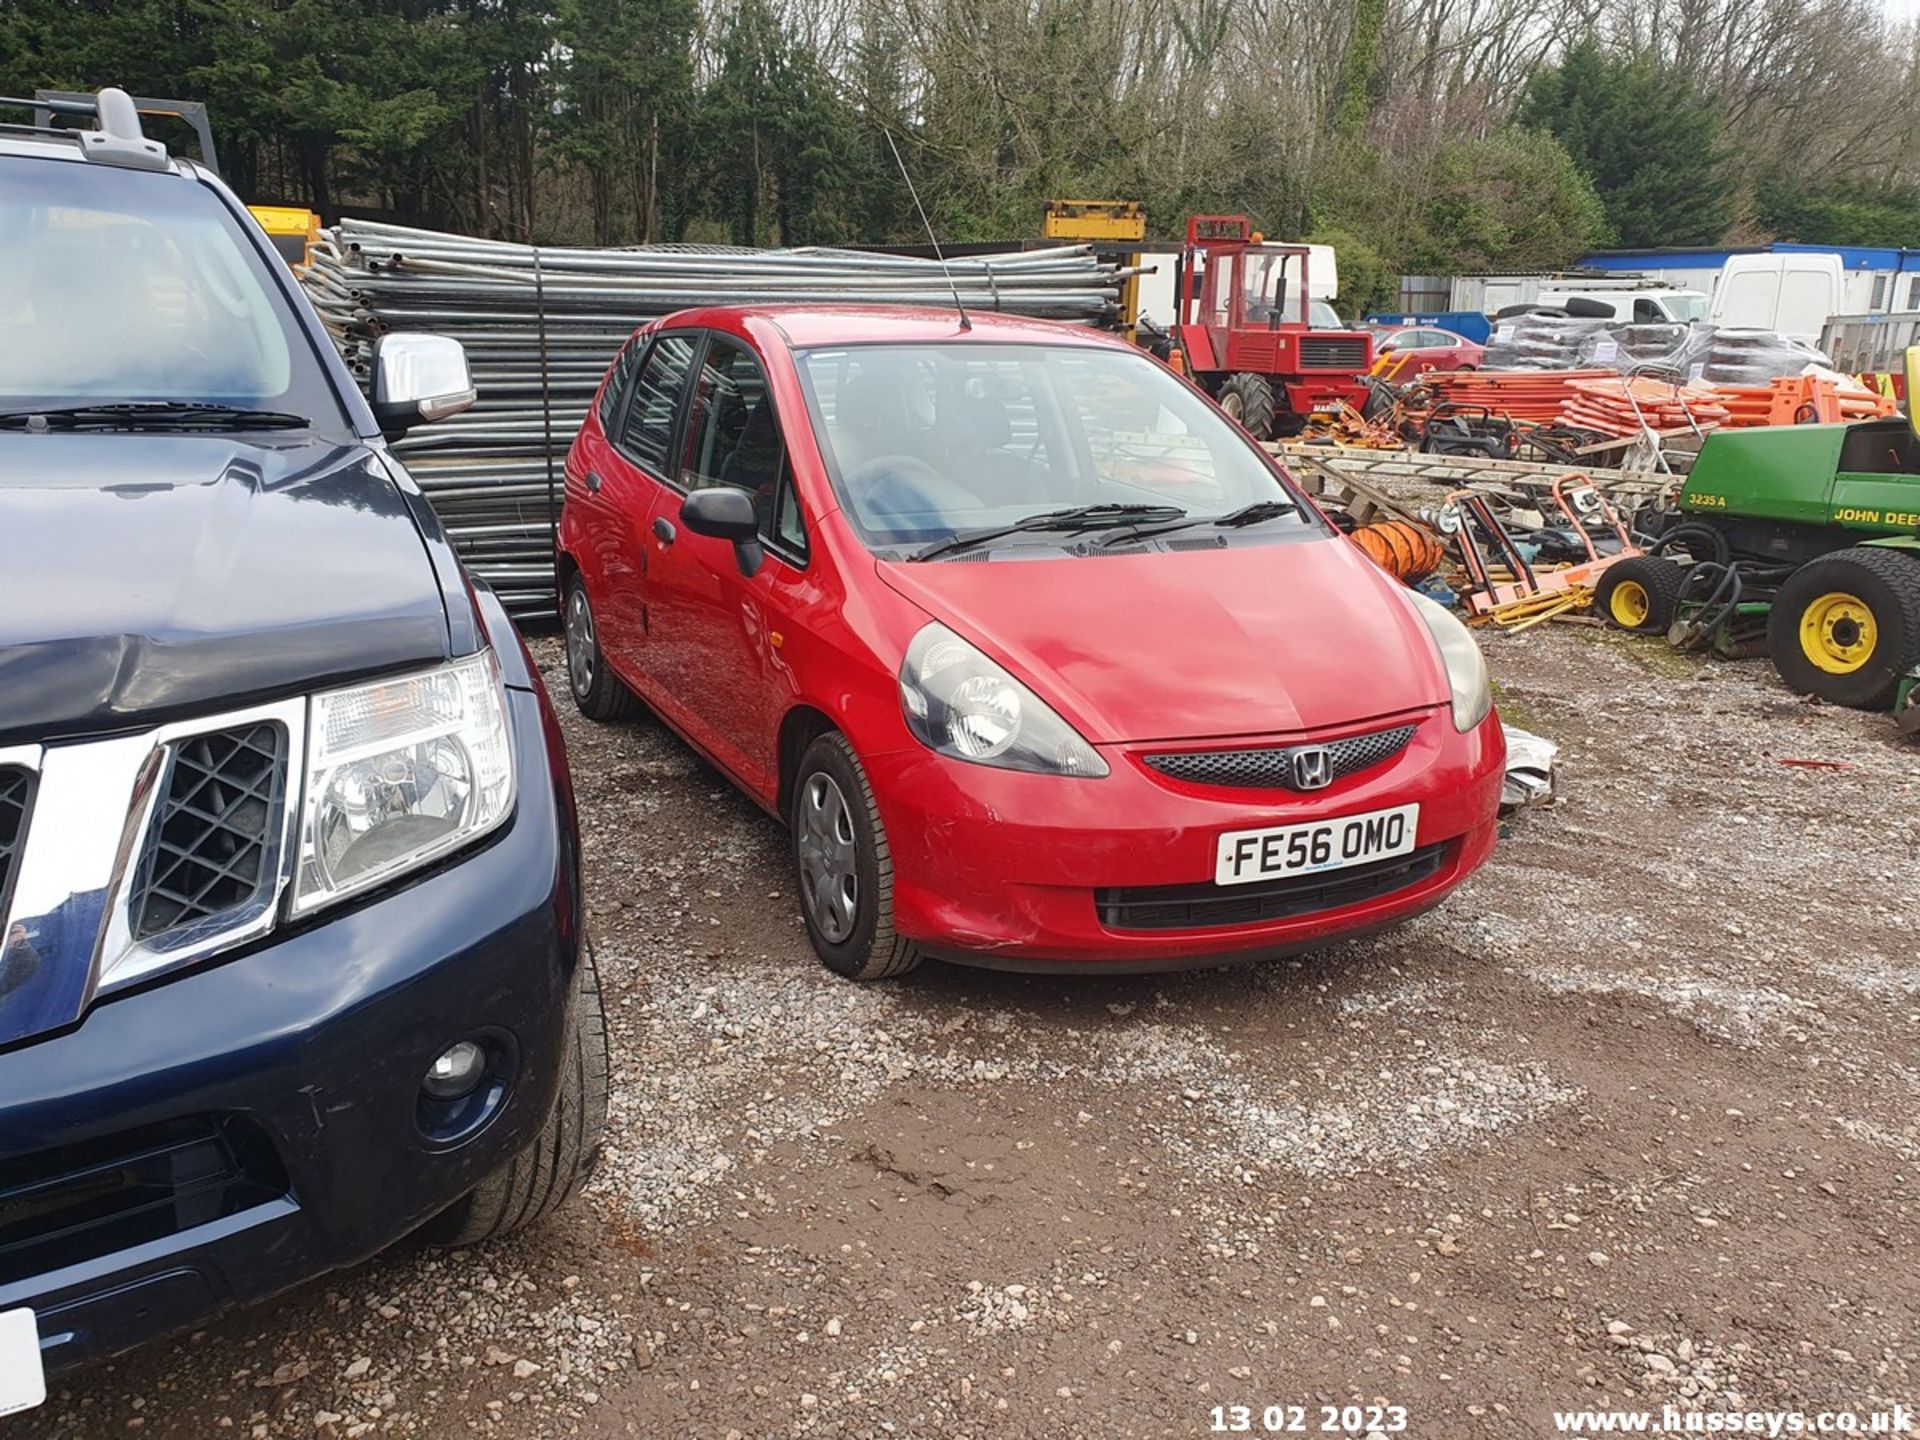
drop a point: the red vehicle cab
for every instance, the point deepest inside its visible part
(1411, 349)
(1042, 661)
(1251, 334)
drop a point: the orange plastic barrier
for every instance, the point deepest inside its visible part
(1530, 395)
(1599, 400)
(1802, 399)
(1619, 406)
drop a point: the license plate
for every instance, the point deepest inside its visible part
(1248, 855)
(23, 1379)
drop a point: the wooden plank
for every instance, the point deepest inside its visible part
(1362, 501)
(1406, 479)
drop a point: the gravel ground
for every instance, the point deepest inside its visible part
(1630, 1119)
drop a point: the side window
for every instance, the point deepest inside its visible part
(647, 435)
(787, 531)
(618, 381)
(1645, 312)
(733, 436)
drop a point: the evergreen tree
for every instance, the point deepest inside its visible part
(1649, 139)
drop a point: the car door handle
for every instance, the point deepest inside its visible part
(594, 482)
(663, 530)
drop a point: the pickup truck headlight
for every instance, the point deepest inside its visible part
(1460, 653)
(399, 773)
(958, 702)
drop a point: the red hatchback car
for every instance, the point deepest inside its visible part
(1040, 658)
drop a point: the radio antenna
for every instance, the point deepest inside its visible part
(965, 323)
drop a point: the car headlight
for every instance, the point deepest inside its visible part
(399, 773)
(1460, 653)
(959, 703)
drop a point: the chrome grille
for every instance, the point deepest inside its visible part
(16, 797)
(1271, 768)
(1333, 352)
(211, 845)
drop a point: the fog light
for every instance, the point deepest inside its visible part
(457, 1071)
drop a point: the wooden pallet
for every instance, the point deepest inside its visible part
(1400, 482)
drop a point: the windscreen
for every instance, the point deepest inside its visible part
(928, 441)
(119, 286)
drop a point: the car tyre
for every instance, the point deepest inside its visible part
(540, 1179)
(843, 866)
(1846, 627)
(597, 691)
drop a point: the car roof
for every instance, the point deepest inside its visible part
(812, 326)
(19, 144)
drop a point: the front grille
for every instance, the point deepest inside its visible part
(1198, 907)
(212, 844)
(1271, 768)
(72, 1205)
(1333, 352)
(16, 799)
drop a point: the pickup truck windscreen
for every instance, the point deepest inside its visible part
(124, 288)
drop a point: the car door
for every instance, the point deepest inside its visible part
(715, 628)
(591, 528)
(634, 484)
(1440, 350)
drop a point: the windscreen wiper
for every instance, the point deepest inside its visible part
(1078, 517)
(157, 414)
(1254, 514)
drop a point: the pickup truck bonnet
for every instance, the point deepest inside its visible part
(148, 576)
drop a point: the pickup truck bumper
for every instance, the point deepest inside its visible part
(221, 1135)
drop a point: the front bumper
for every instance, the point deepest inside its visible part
(1011, 870)
(219, 1136)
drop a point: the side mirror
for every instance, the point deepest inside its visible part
(726, 514)
(418, 379)
(1913, 389)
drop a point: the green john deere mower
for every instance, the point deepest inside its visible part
(1801, 542)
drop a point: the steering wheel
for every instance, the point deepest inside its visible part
(905, 487)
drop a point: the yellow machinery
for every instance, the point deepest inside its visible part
(1117, 229)
(1095, 220)
(292, 230)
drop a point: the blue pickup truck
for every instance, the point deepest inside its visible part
(292, 961)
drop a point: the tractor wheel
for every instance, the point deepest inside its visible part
(1846, 627)
(1248, 398)
(1639, 594)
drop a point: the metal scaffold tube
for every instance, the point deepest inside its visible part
(541, 325)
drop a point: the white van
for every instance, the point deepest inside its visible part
(1652, 305)
(1794, 294)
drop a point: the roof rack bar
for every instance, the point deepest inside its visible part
(72, 102)
(48, 106)
(116, 138)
